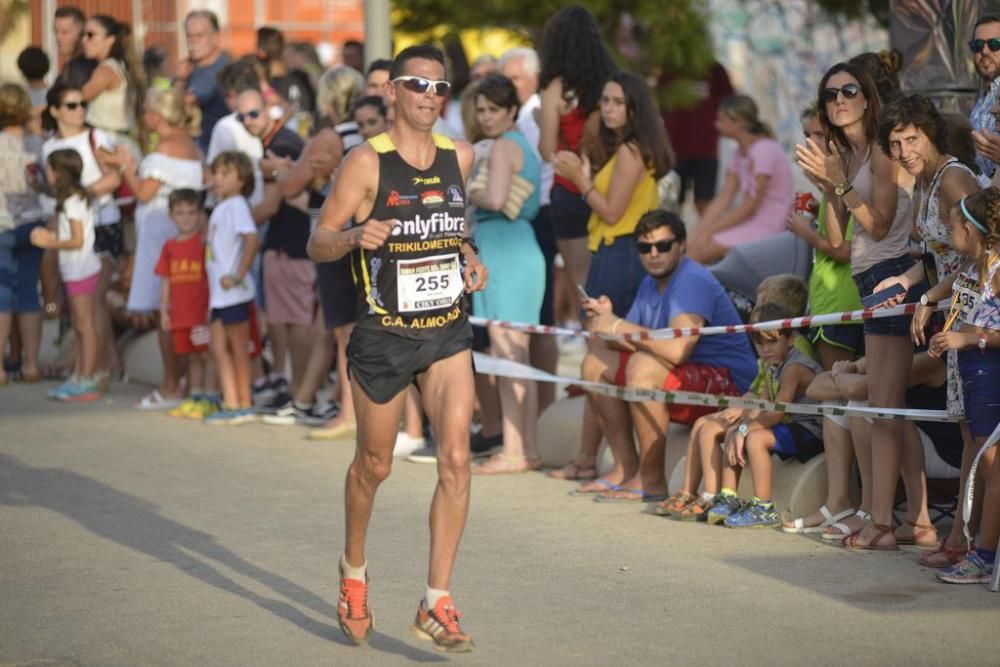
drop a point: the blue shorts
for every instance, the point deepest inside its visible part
(869, 278)
(844, 336)
(235, 314)
(615, 272)
(792, 441)
(19, 264)
(569, 213)
(980, 389)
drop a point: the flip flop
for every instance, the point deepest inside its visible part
(154, 400)
(608, 486)
(639, 497)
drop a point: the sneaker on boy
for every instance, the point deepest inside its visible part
(724, 504)
(756, 514)
(280, 405)
(440, 625)
(63, 388)
(975, 569)
(186, 409)
(82, 391)
(287, 415)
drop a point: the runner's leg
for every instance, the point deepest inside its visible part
(447, 390)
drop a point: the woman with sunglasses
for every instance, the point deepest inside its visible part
(116, 88)
(508, 246)
(860, 180)
(175, 164)
(759, 171)
(65, 117)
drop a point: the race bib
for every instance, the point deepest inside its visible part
(428, 283)
(965, 296)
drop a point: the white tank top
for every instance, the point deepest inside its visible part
(110, 110)
(866, 252)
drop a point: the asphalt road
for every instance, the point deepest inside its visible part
(130, 538)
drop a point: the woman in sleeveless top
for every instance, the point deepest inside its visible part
(338, 89)
(508, 248)
(915, 134)
(759, 171)
(175, 164)
(115, 90)
(859, 180)
(632, 134)
(575, 67)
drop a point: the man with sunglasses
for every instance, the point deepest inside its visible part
(398, 208)
(678, 292)
(985, 47)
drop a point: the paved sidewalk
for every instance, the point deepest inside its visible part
(130, 538)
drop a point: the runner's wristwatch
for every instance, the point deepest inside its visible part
(924, 301)
(472, 244)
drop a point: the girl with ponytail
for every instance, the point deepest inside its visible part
(975, 298)
(759, 171)
(116, 89)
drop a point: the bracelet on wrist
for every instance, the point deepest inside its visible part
(472, 244)
(587, 192)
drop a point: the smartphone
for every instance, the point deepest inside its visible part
(878, 298)
(582, 292)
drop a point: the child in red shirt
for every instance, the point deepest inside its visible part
(184, 298)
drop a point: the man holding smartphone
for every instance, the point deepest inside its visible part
(985, 47)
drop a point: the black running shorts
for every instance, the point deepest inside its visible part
(384, 363)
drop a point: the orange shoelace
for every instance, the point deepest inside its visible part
(450, 620)
(356, 597)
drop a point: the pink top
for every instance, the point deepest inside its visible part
(764, 158)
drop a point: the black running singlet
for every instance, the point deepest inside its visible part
(412, 286)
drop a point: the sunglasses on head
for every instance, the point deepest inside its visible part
(72, 106)
(977, 44)
(253, 113)
(662, 247)
(849, 91)
(419, 84)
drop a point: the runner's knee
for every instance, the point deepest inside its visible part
(373, 469)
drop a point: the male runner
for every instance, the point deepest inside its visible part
(412, 264)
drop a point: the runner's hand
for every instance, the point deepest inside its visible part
(475, 273)
(373, 234)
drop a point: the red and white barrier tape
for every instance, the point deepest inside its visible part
(488, 365)
(687, 332)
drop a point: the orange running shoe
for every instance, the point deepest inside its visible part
(440, 625)
(353, 614)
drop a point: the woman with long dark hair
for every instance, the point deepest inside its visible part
(116, 90)
(860, 180)
(633, 139)
(575, 67)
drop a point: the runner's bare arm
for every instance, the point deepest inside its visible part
(475, 273)
(352, 197)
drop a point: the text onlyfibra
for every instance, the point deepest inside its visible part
(423, 228)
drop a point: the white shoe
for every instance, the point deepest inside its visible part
(406, 444)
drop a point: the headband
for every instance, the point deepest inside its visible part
(968, 216)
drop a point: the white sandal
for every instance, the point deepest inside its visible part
(154, 400)
(845, 530)
(799, 526)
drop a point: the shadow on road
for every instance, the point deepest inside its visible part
(137, 524)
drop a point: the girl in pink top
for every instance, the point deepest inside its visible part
(759, 172)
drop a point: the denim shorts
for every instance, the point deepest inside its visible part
(235, 314)
(869, 278)
(569, 213)
(980, 389)
(19, 264)
(615, 272)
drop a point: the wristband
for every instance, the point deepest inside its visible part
(471, 244)
(587, 193)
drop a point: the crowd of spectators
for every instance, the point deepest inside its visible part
(137, 198)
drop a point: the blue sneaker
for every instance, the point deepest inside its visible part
(227, 417)
(723, 505)
(64, 388)
(83, 391)
(973, 570)
(755, 514)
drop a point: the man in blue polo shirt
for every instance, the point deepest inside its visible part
(678, 292)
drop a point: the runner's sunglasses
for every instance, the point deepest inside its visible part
(849, 91)
(662, 247)
(420, 85)
(977, 44)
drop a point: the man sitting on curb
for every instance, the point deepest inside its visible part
(678, 292)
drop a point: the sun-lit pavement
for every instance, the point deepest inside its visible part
(137, 539)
